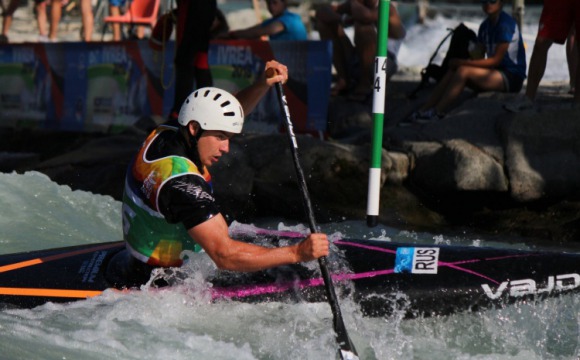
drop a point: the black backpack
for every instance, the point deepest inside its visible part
(461, 36)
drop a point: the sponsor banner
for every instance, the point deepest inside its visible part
(417, 260)
(236, 63)
(31, 91)
(107, 86)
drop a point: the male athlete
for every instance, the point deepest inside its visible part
(168, 205)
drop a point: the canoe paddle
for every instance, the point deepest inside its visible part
(347, 350)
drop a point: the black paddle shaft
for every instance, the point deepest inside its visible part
(347, 349)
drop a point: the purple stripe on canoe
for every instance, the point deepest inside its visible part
(254, 290)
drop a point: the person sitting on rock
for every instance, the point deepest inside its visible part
(363, 15)
(504, 68)
(283, 25)
(168, 203)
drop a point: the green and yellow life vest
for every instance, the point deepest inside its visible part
(148, 235)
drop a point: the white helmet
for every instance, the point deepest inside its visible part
(213, 109)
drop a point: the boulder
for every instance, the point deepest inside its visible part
(480, 166)
(543, 155)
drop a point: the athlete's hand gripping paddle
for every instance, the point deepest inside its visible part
(347, 350)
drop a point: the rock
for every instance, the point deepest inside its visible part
(98, 166)
(480, 167)
(457, 166)
(11, 160)
(543, 155)
(336, 174)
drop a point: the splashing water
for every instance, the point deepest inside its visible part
(182, 323)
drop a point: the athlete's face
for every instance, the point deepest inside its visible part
(212, 145)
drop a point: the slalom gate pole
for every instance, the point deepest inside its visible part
(379, 92)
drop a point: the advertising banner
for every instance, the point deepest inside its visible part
(109, 85)
(236, 64)
(31, 91)
(105, 87)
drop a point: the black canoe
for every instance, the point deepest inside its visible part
(380, 276)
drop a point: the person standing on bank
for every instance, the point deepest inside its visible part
(168, 204)
(193, 32)
(559, 21)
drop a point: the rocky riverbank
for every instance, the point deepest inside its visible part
(484, 167)
(480, 167)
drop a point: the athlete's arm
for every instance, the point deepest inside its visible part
(229, 254)
(251, 95)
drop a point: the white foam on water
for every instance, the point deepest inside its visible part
(182, 323)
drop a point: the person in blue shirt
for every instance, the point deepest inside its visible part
(283, 25)
(503, 68)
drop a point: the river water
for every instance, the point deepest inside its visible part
(181, 323)
(36, 213)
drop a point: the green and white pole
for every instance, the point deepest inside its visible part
(379, 92)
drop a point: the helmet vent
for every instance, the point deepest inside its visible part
(213, 109)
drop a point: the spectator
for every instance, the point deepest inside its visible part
(194, 24)
(556, 21)
(504, 69)
(283, 25)
(193, 35)
(7, 16)
(572, 53)
(115, 10)
(41, 20)
(331, 20)
(220, 25)
(55, 15)
(87, 20)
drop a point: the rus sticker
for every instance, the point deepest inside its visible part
(416, 260)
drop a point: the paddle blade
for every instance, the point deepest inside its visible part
(348, 355)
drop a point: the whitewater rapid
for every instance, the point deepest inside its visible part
(36, 213)
(182, 323)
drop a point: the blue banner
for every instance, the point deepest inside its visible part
(108, 86)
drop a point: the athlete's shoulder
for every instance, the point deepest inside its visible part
(188, 189)
(187, 199)
(192, 186)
